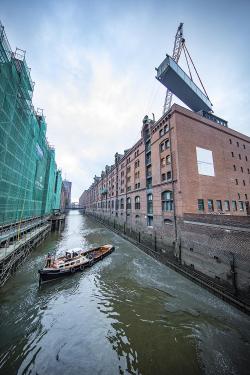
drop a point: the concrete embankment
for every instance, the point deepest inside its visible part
(164, 256)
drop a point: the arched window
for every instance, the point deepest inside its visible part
(117, 204)
(137, 202)
(167, 200)
(168, 159)
(150, 203)
(122, 204)
(128, 203)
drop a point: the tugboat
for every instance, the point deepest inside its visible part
(73, 260)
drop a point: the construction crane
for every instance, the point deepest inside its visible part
(178, 45)
(189, 99)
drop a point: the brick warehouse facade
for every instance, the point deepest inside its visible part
(186, 181)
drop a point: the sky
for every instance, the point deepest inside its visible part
(93, 63)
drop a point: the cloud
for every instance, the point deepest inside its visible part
(93, 64)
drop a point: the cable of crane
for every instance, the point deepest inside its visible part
(187, 62)
(185, 48)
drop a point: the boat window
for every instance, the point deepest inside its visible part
(72, 263)
(78, 261)
(61, 266)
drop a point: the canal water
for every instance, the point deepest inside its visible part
(128, 314)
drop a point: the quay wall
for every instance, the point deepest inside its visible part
(216, 247)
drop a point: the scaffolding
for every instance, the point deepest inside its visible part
(27, 162)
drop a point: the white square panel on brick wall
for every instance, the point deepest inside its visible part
(205, 161)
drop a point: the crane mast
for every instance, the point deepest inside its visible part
(178, 44)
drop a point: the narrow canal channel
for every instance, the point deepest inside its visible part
(126, 314)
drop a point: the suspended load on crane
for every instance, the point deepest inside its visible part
(178, 82)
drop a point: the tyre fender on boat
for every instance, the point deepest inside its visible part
(72, 270)
(82, 267)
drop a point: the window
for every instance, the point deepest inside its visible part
(148, 146)
(150, 221)
(244, 182)
(161, 147)
(167, 200)
(137, 203)
(122, 204)
(248, 170)
(163, 162)
(226, 206)
(163, 176)
(117, 204)
(150, 203)
(129, 188)
(237, 144)
(128, 203)
(232, 154)
(168, 159)
(236, 181)
(128, 169)
(166, 128)
(108, 204)
(168, 176)
(239, 195)
(112, 204)
(234, 206)
(167, 144)
(240, 156)
(148, 159)
(230, 141)
(241, 206)
(246, 197)
(246, 158)
(149, 183)
(241, 169)
(201, 204)
(219, 205)
(210, 204)
(128, 179)
(234, 167)
(244, 147)
(167, 221)
(161, 132)
(149, 171)
(205, 161)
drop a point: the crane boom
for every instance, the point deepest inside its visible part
(178, 44)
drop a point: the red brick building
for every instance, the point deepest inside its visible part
(183, 163)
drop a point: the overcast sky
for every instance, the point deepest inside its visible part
(93, 66)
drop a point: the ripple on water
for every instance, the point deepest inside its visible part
(126, 314)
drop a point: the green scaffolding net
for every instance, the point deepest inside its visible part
(30, 184)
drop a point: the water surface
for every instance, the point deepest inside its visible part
(128, 314)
